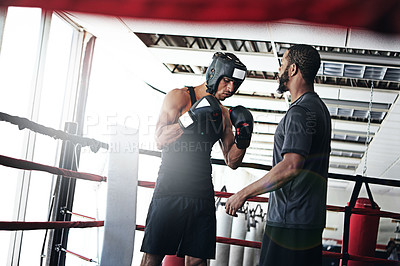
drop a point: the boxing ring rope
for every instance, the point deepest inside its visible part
(213, 160)
(23, 123)
(27, 165)
(224, 240)
(339, 242)
(332, 208)
(370, 180)
(383, 214)
(77, 214)
(76, 254)
(14, 226)
(219, 194)
(384, 18)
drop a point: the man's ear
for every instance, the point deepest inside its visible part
(293, 69)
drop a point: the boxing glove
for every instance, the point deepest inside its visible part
(204, 117)
(242, 120)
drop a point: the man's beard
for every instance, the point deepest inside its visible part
(282, 82)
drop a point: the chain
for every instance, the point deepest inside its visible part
(368, 129)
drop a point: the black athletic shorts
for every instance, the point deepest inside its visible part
(287, 247)
(177, 225)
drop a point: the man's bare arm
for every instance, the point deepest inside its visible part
(167, 128)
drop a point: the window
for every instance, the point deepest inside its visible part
(39, 55)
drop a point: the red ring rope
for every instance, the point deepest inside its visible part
(77, 255)
(370, 259)
(13, 226)
(256, 244)
(372, 212)
(238, 242)
(377, 15)
(227, 195)
(220, 194)
(245, 243)
(27, 165)
(375, 212)
(147, 184)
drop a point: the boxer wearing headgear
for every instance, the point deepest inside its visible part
(225, 65)
(181, 216)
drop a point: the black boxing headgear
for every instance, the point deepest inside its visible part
(224, 65)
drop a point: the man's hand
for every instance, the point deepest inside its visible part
(234, 203)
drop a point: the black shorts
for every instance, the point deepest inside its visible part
(180, 226)
(287, 246)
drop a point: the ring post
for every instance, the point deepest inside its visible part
(64, 198)
(120, 221)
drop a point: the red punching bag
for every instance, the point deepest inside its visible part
(172, 260)
(363, 233)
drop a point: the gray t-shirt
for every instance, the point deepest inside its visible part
(306, 130)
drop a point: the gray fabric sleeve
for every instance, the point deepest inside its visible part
(299, 131)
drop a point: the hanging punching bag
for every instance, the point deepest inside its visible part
(363, 233)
